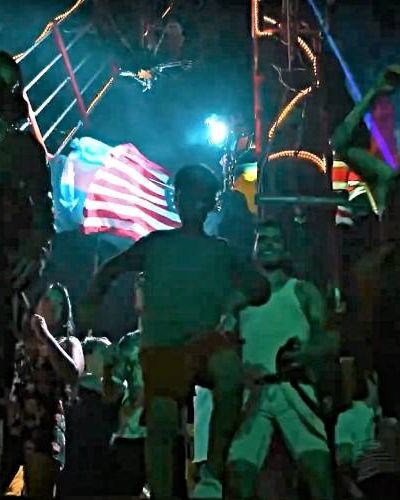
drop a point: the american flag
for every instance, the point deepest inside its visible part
(129, 196)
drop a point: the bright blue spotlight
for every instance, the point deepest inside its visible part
(218, 130)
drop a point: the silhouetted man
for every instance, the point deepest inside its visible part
(26, 217)
(191, 282)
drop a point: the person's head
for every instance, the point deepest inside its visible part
(196, 188)
(94, 349)
(128, 346)
(12, 104)
(174, 28)
(270, 248)
(55, 307)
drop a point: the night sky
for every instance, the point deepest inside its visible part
(168, 121)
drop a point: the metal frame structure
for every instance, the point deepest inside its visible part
(293, 31)
(97, 83)
(306, 38)
(295, 34)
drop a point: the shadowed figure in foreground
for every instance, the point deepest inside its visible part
(192, 283)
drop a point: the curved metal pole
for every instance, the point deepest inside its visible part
(68, 66)
(258, 80)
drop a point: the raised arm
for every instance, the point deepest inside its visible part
(322, 343)
(385, 84)
(66, 357)
(132, 260)
(251, 287)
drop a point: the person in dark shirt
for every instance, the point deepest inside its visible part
(26, 216)
(192, 283)
(91, 421)
(123, 382)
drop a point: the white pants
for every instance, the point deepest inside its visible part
(203, 405)
(279, 405)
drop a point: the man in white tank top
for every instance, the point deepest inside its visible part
(295, 310)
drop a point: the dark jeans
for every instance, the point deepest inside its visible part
(7, 339)
(127, 467)
(381, 486)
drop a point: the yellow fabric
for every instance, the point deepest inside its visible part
(41, 472)
(191, 475)
(248, 189)
(16, 487)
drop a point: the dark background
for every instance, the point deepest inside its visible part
(167, 123)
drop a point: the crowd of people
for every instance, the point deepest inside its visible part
(230, 355)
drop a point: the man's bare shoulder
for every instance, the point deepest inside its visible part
(68, 342)
(306, 291)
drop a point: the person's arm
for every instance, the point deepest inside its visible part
(73, 348)
(344, 439)
(251, 287)
(342, 136)
(322, 343)
(376, 173)
(135, 383)
(132, 259)
(68, 365)
(386, 83)
(113, 375)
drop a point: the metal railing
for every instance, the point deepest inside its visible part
(72, 70)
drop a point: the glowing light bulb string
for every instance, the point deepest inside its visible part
(288, 108)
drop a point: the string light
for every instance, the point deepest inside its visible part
(256, 32)
(302, 43)
(302, 155)
(287, 110)
(303, 93)
(49, 26)
(100, 94)
(270, 20)
(309, 53)
(167, 10)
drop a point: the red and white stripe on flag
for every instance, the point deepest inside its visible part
(129, 196)
(344, 216)
(343, 179)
